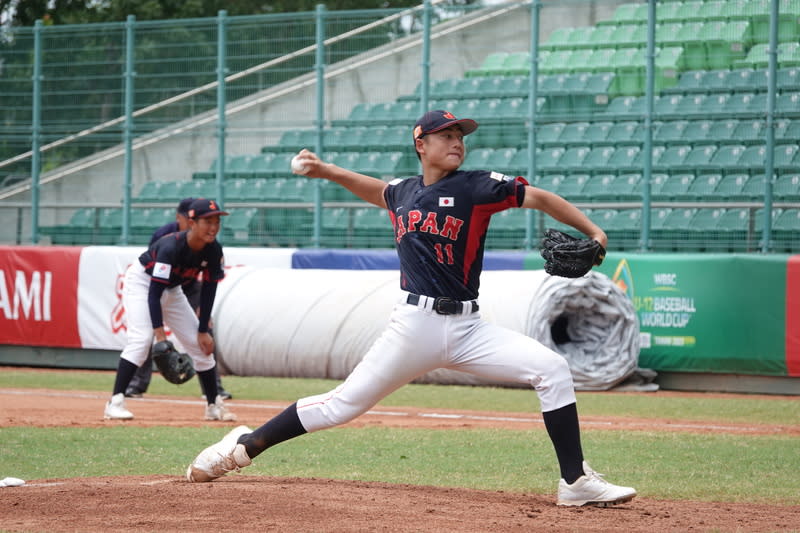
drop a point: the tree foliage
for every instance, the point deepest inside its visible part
(26, 12)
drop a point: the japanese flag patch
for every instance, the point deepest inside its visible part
(162, 270)
(446, 201)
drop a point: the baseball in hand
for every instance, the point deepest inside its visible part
(298, 167)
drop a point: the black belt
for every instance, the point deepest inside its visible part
(444, 305)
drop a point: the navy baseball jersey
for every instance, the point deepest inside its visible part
(440, 229)
(166, 229)
(170, 261)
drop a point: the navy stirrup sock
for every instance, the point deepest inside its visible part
(125, 372)
(564, 430)
(283, 427)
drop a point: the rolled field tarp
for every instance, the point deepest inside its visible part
(320, 323)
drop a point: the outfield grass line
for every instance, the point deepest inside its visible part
(420, 414)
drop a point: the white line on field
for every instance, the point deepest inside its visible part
(451, 416)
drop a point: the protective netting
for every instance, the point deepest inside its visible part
(320, 323)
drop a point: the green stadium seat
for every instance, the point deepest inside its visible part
(512, 109)
(626, 132)
(628, 65)
(699, 158)
(559, 38)
(750, 159)
(573, 133)
(672, 157)
(788, 105)
(78, 230)
(624, 229)
(546, 159)
(372, 228)
(500, 160)
(669, 11)
(666, 107)
(789, 79)
(555, 62)
(239, 228)
(730, 188)
(689, 107)
(786, 230)
(600, 37)
(572, 159)
(597, 161)
(787, 188)
(675, 232)
(476, 159)
(749, 132)
(148, 193)
(657, 180)
(517, 64)
(599, 188)
(549, 182)
(733, 227)
(745, 80)
(170, 191)
(692, 38)
(690, 81)
(597, 133)
(759, 12)
(728, 159)
(492, 65)
(702, 235)
(726, 43)
(786, 158)
(624, 159)
(675, 186)
(260, 165)
(625, 107)
(702, 188)
(722, 131)
(753, 189)
(696, 132)
(507, 229)
(268, 190)
(109, 226)
(670, 132)
(548, 134)
(631, 13)
(569, 186)
(656, 152)
(744, 105)
(235, 189)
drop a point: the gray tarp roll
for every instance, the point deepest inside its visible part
(319, 323)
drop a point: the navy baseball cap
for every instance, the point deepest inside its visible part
(437, 120)
(202, 208)
(184, 206)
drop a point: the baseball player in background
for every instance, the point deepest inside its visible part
(153, 297)
(440, 220)
(141, 379)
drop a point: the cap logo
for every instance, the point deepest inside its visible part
(191, 213)
(212, 205)
(449, 115)
(417, 131)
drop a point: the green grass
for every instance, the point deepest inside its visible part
(740, 409)
(711, 466)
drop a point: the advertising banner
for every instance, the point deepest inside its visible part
(707, 312)
(38, 296)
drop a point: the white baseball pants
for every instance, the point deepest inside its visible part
(177, 313)
(419, 340)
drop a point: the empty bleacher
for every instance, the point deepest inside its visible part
(709, 138)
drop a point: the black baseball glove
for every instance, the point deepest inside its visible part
(570, 257)
(174, 366)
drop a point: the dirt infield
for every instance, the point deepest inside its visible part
(256, 503)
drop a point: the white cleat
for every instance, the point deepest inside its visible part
(218, 411)
(115, 408)
(592, 489)
(220, 458)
